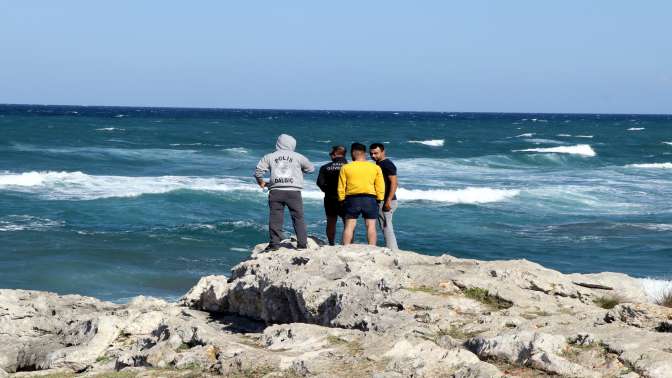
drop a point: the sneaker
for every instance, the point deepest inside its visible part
(271, 248)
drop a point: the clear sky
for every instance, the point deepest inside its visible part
(608, 56)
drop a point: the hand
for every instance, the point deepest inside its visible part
(262, 184)
(387, 206)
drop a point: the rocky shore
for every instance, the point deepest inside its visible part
(354, 312)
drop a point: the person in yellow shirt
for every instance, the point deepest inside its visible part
(360, 188)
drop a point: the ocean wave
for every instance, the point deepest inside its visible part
(112, 152)
(81, 186)
(237, 150)
(564, 135)
(655, 288)
(636, 128)
(668, 143)
(431, 142)
(651, 165)
(584, 136)
(579, 149)
(110, 129)
(525, 135)
(27, 223)
(469, 195)
(660, 227)
(545, 141)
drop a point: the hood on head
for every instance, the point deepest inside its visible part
(285, 142)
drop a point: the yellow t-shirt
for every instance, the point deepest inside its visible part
(361, 177)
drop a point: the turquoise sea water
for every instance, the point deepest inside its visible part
(116, 202)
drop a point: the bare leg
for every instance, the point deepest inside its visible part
(331, 228)
(349, 230)
(371, 231)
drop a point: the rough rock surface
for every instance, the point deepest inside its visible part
(355, 311)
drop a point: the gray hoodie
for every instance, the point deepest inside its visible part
(287, 167)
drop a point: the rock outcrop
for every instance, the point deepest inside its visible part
(352, 311)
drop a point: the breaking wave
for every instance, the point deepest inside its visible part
(470, 195)
(431, 142)
(80, 186)
(655, 288)
(651, 165)
(579, 149)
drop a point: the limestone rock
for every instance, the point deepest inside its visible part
(208, 294)
(355, 311)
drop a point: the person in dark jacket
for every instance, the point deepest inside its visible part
(327, 181)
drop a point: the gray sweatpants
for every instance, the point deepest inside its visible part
(385, 221)
(277, 200)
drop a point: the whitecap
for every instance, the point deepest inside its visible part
(651, 165)
(14, 223)
(324, 141)
(546, 141)
(668, 143)
(525, 135)
(469, 195)
(579, 149)
(81, 186)
(110, 129)
(655, 289)
(431, 142)
(238, 150)
(120, 116)
(564, 135)
(636, 129)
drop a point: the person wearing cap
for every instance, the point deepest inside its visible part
(327, 181)
(360, 187)
(284, 189)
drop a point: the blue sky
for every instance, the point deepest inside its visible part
(516, 56)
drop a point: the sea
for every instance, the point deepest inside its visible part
(115, 202)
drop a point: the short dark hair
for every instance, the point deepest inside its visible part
(373, 146)
(358, 147)
(338, 150)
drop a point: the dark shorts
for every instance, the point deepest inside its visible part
(365, 205)
(333, 208)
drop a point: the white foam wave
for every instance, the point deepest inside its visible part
(584, 136)
(238, 150)
(661, 227)
(110, 129)
(80, 186)
(526, 135)
(651, 165)
(636, 129)
(26, 222)
(541, 140)
(668, 143)
(431, 142)
(186, 144)
(564, 135)
(655, 289)
(579, 149)
(469, 195)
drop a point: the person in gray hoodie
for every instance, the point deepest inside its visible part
(284, 189)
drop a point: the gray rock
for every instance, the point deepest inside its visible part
(354, 311)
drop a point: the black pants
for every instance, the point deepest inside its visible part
(277, 200)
